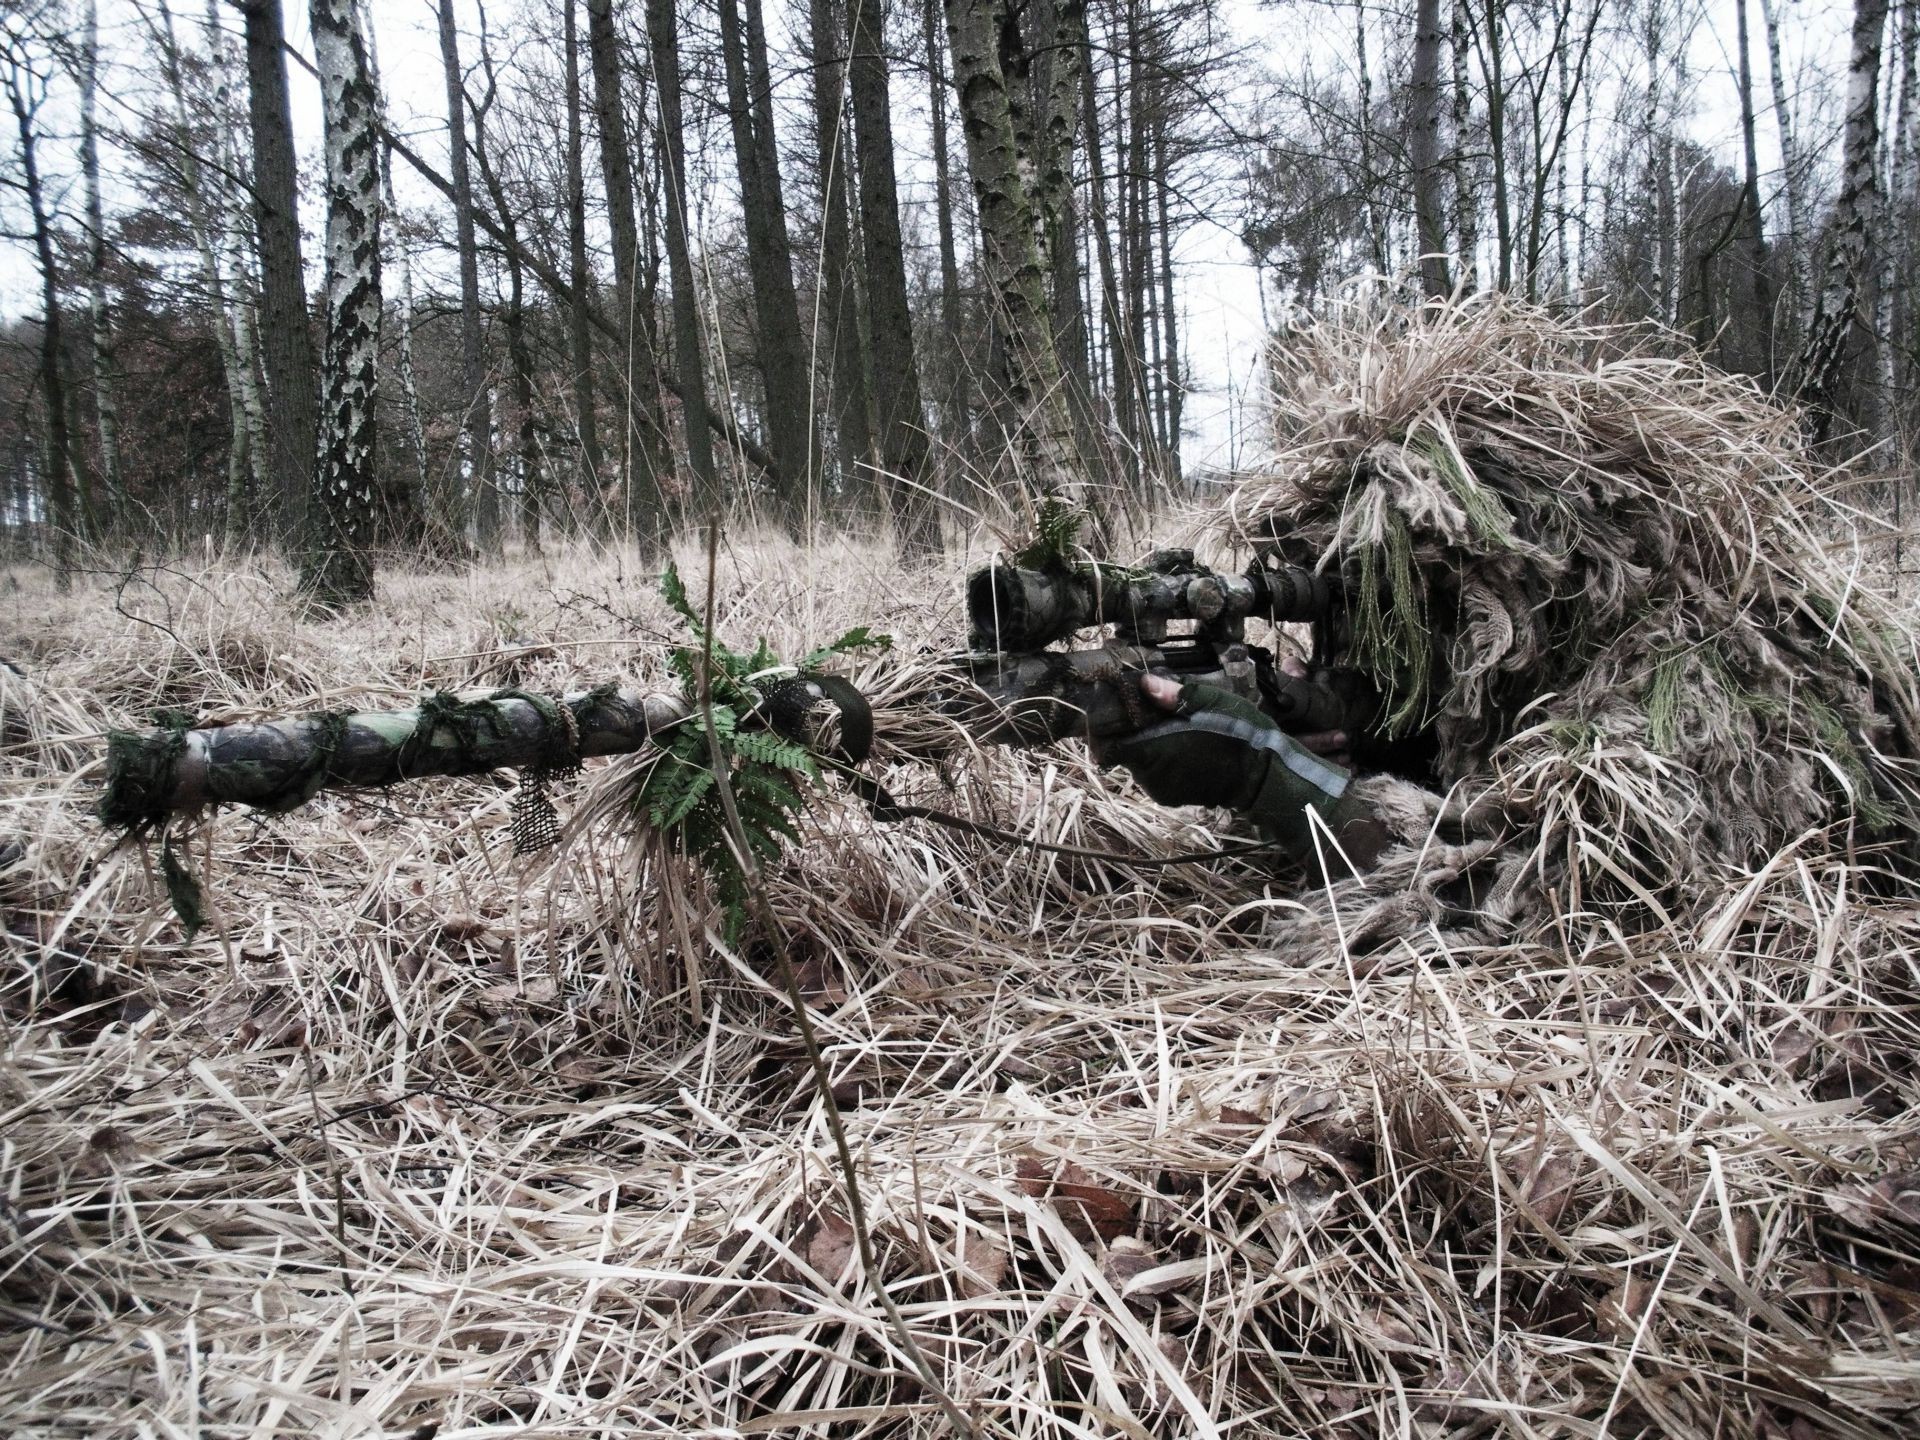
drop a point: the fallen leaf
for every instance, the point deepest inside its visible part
(982, 1266)
(828, 1245)
(1549, 1190)
(1617, 1314)
(1127, 1257)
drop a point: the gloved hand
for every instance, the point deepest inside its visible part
(1215, 748)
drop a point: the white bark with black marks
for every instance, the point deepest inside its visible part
(1855, 214)
(337, 567)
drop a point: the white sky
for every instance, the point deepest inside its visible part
(1217, 287)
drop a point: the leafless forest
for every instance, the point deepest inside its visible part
(859, 266)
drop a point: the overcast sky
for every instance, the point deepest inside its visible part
(1217, 287)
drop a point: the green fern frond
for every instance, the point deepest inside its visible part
(859, 638)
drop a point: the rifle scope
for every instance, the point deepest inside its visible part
(1016, 609)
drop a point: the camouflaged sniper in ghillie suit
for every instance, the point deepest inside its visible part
(1628, 627)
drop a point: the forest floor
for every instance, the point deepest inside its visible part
(416, 1137)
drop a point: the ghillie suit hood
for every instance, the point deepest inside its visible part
(1609, 587)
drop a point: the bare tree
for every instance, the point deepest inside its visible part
(287, 343)
(896, 371)
(1423, 147)
(778, 347)
(1855, 213)
(25, 81)
(100, 312)
(336, 567)
(664, 45)
(477, 409)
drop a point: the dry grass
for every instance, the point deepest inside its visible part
(421, 1139)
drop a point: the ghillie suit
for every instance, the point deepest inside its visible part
(1608, 591)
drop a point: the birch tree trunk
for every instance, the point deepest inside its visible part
(1854, 216)
(1169, 317)
(477, 414)
(1423, 150)
(1015, 277)
(782, 357)
(100, 312)
(1466, 196)
(956, 408)
(337, 568)
(896, 372)
(1895, 248)
(664, 45)
(287, 348)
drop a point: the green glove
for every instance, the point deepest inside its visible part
(1218, 749)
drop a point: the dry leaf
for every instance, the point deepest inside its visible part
(828, 1245)
(1617, 1314)
(1127, 1257)
(1088, 1207)
(1549, 1190)
(981, 1267)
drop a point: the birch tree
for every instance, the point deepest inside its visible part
(337, 567)
(1015, 276)
(1854, 217)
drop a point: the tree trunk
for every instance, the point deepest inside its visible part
(1015, 277)
(1369, 171)
(1824, 350)
(25, 93)
(1793, 179)
(1466, 197)
(665, 47)
(233, 251)
(579, 328)
(844, 339)
(421, 519)
(292, 379)
(896, 372)
(1496, 76)
(1895, 247)
(519, 356)
(1125, 380)
(957, 408)
(645, 457)
(1758, 261)
(202, 218)
(781, 354)
(477, 416)
(1169, 319)
(336, 567)
(100, 313)
(1423, 150)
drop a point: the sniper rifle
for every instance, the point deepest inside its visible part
(1011, 688)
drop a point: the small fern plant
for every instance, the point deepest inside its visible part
(769, 775)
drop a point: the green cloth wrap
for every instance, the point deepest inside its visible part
(1218, 749)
